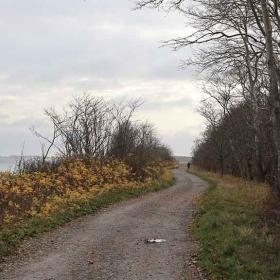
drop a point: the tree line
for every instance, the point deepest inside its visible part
(237, 49)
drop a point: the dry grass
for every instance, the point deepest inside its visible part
(238, 241)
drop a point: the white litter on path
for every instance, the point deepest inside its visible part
(155, 240)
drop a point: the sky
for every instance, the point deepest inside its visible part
(52, 51)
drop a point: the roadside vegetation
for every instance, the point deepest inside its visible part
(102, 156)
(37, 202)
(238, 228)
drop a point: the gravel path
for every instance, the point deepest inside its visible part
(111, 244)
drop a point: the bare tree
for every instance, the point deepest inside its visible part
(125, 132)
(240, 37)
(46, 148)
(84, 127)
(90, 128)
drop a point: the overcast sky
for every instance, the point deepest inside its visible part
(53, 50)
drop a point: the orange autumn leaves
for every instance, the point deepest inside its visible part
(41, 194)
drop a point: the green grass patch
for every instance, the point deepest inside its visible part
(236, 240)
(11, 238)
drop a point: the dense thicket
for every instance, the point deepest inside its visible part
(91, 128)
(229, 145)
(238, 43)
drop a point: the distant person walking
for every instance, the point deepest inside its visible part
(189, 165)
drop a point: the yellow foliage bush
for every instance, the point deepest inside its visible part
(40, 194)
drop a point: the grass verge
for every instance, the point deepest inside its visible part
(239, 237)
(11, 238)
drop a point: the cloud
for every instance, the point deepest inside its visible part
(53, 50)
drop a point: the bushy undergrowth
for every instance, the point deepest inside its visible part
(237, 239)
(31, 203)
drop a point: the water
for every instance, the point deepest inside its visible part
(8, 163)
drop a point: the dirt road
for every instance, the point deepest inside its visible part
(111, 244)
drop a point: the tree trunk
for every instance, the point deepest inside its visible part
(273, 91)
